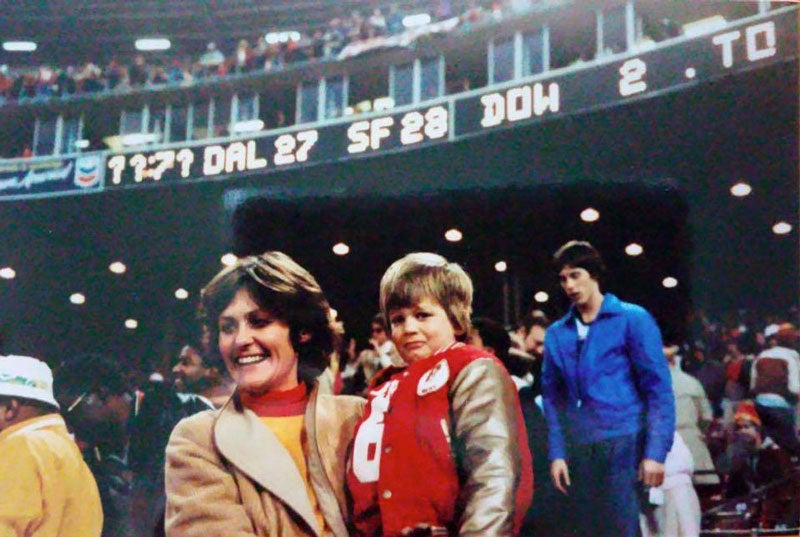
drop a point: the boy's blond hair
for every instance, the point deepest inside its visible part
(426, 275)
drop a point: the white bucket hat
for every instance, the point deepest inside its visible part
(26, 377)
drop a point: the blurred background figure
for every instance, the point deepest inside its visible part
(381, 352)
(200, 383)
(775, 384)
(96, 402)
(673, 509)
(693, 415)
(46, 489)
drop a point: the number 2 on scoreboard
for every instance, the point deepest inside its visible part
(632, 72)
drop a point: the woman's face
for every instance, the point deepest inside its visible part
(256, 347)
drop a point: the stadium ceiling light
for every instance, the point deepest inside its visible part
(781, 228)
(181, 294)
(341, 248)
(453, 235)
(117, 267)
(19, 46)
(634, 249)
(273, 38)
(140, 138)
(741, 189)
(77, 298)
(131, 324)
(501, 266)
(228, 259)
(418, 19)
(541, 297)
(250, 125)
(590, 214)
(8, 273)
(669, 282)
(152, 43)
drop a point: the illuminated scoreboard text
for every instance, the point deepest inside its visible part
(583, 88)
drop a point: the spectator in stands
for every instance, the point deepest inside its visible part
(381, 353)
(211, 60)
(711, 374)
(693, 415)
(775, 384)
(753, 461)
(272, 460)
(545, 516)
(456, 401)
(532, 330)
(46, 489)
(97, 401)
(243, 57)
(89, 78)
(200, 384)
(613, 411)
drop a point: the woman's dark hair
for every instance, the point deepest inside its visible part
(278, 285)
(580, 254)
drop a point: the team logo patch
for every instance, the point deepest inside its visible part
(434, 379)
(87, 171)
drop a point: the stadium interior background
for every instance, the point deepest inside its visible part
(658, 170)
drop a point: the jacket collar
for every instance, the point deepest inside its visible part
(255, 450)
(610, 306)
(39, 422)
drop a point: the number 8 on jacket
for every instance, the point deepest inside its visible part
(369, 439)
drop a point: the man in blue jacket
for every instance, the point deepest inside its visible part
(607, 398)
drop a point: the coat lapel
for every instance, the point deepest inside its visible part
(322, 455)
(254, 450)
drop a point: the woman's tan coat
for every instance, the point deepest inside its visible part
(228, 475)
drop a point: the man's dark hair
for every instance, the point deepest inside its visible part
(96, 373)
(493, 335)
(580, 254)
(535, 318)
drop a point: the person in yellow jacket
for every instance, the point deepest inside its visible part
(46, 489)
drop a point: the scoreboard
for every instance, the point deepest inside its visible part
(690, 60)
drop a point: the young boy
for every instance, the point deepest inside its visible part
(442, 449)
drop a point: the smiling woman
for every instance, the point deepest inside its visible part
(272, 461)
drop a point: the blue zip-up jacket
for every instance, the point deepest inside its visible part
(618, 385)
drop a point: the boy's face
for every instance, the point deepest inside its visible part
(421, 329)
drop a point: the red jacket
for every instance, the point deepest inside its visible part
(443, 443)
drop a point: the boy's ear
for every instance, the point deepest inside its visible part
(305, 336)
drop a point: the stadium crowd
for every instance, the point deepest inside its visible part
(250, 55)
(732, 406)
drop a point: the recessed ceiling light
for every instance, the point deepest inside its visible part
(341, 248)
(131, 324)
(453, 235)
(152, 43)
(77, 298)
(8, 273)
(590, 214)
(19, 46)
(228, 259)
(781, 228)
(634, 249)
(541, 297)
(741, 189)
(117, 267)
(669, 282)
(181, 294)
(501, 266)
